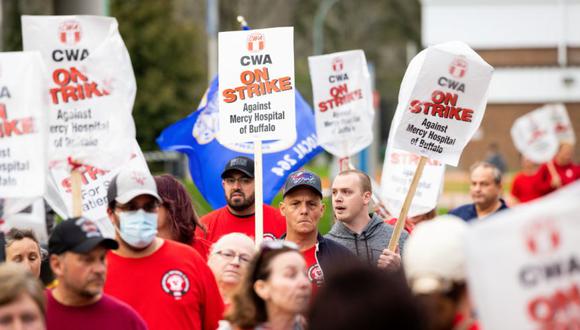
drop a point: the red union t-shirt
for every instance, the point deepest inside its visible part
(524, 188)
(171, 289)
(221, 222)
(314, 272)
(107, 313)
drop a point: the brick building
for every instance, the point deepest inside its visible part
(533, 45)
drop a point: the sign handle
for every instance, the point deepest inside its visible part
(407, 205)
(344, 164)
(554, 174)
(259, 196)
(76, 183)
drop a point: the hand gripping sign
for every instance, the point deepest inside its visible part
(343, 102)
(23, 105)
(441, 104)
(256, 94)
(91, 87)
(537, 134)
(523, 264)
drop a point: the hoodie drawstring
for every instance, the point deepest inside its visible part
(356, 244)
(367, 247)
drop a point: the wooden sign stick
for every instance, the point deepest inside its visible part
(259, 195)
(407, 205)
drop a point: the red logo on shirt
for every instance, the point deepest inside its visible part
(175, 283)
(315, 275)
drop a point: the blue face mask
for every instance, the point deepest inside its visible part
(138, 228)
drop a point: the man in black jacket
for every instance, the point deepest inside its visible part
(303, 207)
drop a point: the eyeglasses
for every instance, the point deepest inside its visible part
(244, 181)
(230, 256)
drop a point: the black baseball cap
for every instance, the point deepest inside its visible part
(79, 235)
(242, 164)
(303, 179)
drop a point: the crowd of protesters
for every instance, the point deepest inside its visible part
(167, 268)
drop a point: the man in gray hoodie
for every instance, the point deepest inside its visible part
(367, 236)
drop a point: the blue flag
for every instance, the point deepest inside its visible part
(196, 136)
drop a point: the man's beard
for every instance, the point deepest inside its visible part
(242, 205)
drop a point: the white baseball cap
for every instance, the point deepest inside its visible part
(130, 183)
(434, 255)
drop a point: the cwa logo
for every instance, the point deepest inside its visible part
(337, 64)
(542, 237)
(256, 42)
(458, 68)
(70, 32)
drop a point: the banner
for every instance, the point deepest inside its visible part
(343, 101)
(441, 101)
(537, 134)
(23, 106)
(196, 136)
(95, 182)
(91, 87)
(257, 85)
(398, 170)
(523, 264)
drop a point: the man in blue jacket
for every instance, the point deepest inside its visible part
(485, 191)
(303, 207)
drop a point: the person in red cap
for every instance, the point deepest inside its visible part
(168, 283)
(77, 258)
(238, 216)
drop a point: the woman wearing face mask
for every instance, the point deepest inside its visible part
(275, 291)
(22, 247)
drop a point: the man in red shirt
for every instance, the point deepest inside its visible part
(303, 207)
(77, 258)
(166, 282)
(238, 215)
(523, 185)
(558, 172)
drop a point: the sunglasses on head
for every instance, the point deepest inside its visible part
(268, 246)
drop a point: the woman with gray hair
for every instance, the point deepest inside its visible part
(23, 247)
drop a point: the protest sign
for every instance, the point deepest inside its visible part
(23, 105)
(94, 185)
(196, 136)
(537, 134)
(441, 105)
(523, 264)
(398, 170)
(343, 101)
(256, 94)
(256, 85)
(441, 101)
(91, 88)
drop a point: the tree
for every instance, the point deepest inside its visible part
(168, 57)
